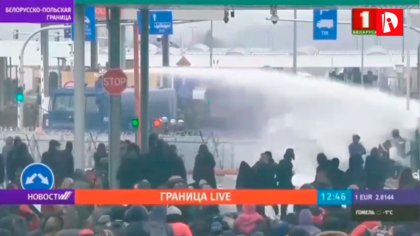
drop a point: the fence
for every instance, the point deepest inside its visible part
(224, 151)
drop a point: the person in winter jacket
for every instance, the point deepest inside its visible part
(356, 148)
(284, 176)
(248, 221)
(306, 222)
(363, 228)
(51, 157)
(128, 174)
(20, 159)
(176, 164)
(204, 166)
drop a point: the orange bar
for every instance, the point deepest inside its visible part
(195, 197)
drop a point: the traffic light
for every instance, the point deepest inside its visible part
(157, 123)
(20, 95)
(135, 123)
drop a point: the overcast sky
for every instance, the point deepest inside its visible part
(251, 29)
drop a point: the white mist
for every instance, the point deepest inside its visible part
(315, 115)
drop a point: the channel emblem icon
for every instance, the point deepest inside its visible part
(390, 22)
(364, 21)
(379, 22)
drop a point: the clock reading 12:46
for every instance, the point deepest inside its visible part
(334, 197)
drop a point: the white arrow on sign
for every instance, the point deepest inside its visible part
(44, 180)
(30, 179)
(154, 17)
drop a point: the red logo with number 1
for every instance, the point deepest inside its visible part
(379, 22)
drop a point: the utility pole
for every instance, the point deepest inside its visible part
(294, 41)
(45, 61)
(362, 64)
(44, 88)
(79, 86)
(144, 92)
(94, 55)
(114, 58)
(211, 43)
(165, 50)
(122, 47)
(137, 80)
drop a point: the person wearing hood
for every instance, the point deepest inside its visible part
(136, 214)
(323, 162)
(68, 160)
(7, 148)
(176, 164)
(10, 155)
(265, 177)
(246, 178)
(50, 157)
(128, 174)
(375, 170)
(248, 221)
(20, 159)
(306, 222)
(337, 176)
(204, 166)
(100, 158)
(284, 176)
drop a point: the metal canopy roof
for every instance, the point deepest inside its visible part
(249, 3)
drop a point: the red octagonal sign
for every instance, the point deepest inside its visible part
(115, 81)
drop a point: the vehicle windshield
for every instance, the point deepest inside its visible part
(64, 103)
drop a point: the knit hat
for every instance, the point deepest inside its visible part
(353, 187)
(173, 210)
(305, 217)
(202, 182)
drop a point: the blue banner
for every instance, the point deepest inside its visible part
(325, 24)
(160, 22)
(90, 26)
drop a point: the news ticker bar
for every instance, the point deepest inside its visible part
(213, 197)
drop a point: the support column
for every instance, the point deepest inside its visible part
(144, 93)
(94, 55)
(294, 41)
(165, 50)
(122, 47)
(79, 87)
(136, 67)
(362, 64)
(114, 48)
(45, 61)
(211, 43)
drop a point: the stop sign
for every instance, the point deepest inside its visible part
(115, 81)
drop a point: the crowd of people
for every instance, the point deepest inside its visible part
(163, 168)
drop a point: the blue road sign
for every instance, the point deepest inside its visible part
(325, 24)
(90, 25)
(160, 22)
(37, 176)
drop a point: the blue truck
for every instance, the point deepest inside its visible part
(162, 103)
(202, 105)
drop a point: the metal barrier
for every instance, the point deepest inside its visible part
(224, 151)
